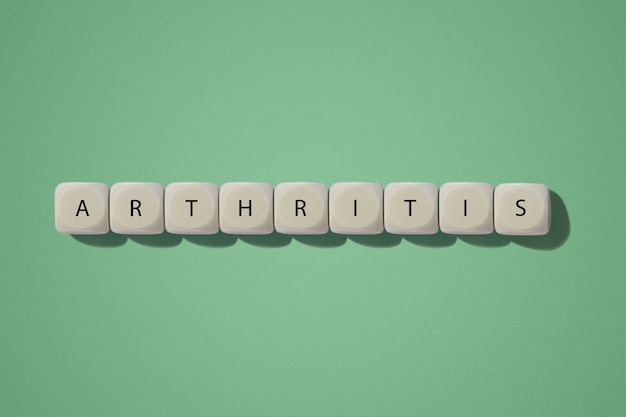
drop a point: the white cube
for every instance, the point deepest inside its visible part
(466, 208)
(301, 208)
(81, 208)
(411, 208)
(246, 208)
(356, 208)
(191, 208)
(522, 209)
(137, 208)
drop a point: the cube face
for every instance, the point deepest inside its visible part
(466, 208)
(522, 209)
(191, 208)
(411, 208)
(137, 208)
(356, 208)
(246, 208)
(81, 208)
(301, 208)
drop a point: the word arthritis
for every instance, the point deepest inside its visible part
(302, 208)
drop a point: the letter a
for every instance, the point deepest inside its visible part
(82, 207)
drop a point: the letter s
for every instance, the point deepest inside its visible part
(523, 209)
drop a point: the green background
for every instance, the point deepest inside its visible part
(327, 91)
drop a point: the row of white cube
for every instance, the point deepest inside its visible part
(302, 208)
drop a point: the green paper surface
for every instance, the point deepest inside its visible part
(216, 91)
